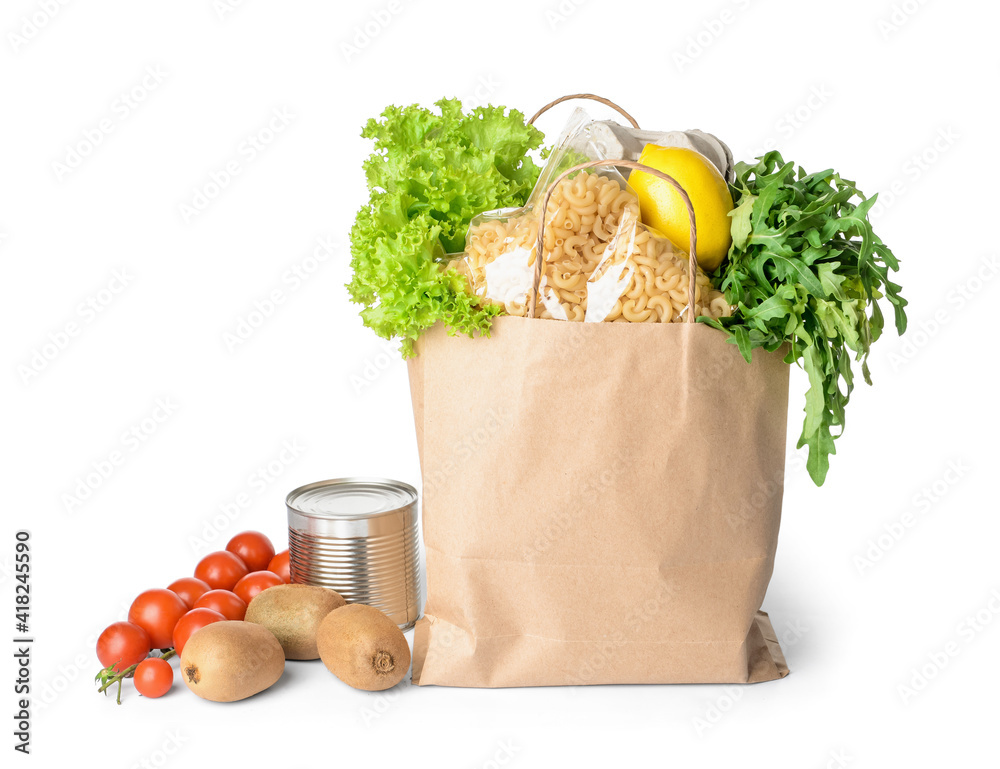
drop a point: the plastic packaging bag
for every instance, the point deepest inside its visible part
(601, 262)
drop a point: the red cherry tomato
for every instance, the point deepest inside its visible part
(280, 566)
(189, 589)
(226, 602)
(221, 570)
(254, 548)
(157, 611)
(256, 582)
(122, 644)
(154, 677)
(192, 622)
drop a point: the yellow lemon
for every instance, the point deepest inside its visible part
(663, 208)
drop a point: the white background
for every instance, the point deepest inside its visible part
(899, 96)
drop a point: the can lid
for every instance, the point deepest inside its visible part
(351, 498)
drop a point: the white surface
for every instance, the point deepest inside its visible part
(869, 99)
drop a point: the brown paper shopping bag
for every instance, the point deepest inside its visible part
(600, 504)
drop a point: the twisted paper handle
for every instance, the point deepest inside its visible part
(592, 97)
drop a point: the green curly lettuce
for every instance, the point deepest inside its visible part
(428, 176)
(806, 269)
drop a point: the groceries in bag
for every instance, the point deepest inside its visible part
(804, 271)
(601, 262)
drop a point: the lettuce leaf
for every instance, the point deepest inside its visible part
(429, 175)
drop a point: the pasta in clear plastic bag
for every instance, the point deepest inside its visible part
(600, 262)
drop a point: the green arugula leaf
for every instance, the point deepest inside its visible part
(806, 269)
(741, 221)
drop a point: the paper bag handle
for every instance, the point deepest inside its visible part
(692, 251)
(592, 97)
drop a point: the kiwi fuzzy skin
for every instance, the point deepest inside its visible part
(230, 661)
(363, 648)
(293, 613)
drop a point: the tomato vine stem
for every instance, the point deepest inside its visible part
(108, 677)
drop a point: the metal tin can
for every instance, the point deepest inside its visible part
(360, 537)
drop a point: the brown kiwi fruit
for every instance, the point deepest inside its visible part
(363, 647)
(293, 614)
(229, 661)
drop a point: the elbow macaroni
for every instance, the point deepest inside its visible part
(601, 263)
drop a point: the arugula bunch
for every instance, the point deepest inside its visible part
(429, 175)
(806, 269)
